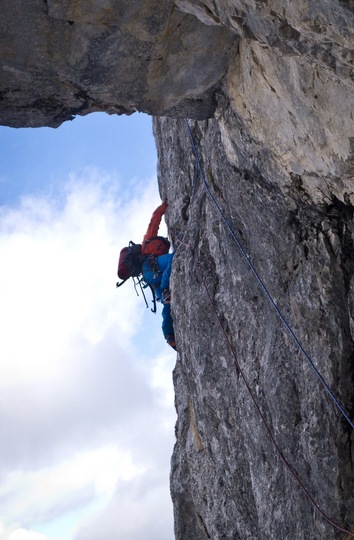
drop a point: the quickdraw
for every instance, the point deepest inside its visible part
(139, 282)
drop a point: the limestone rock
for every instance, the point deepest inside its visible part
(269, 86)
(63, 58)
(227, 480)
(278, 158)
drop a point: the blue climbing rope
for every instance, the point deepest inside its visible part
(262, 284)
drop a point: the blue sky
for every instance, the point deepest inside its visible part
(86, 393)
(36, 160)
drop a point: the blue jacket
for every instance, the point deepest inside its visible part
(158, 277)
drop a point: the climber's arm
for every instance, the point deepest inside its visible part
(155, 221)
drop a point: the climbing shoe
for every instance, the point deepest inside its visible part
(166, 296)
(171, 341)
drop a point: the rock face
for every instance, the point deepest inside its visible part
(60, 58)
(278, 159)
(227, 478)
(262, 451)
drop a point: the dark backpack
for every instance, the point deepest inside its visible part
(130, 261)
(131, 257)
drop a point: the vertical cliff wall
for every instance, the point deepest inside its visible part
(278, 158)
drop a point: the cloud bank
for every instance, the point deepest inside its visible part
(86, 395)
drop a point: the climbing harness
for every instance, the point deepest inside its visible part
(263, 286)
(288, 327)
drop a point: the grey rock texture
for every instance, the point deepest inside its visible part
(60, 58)
(278, 158)
(227, 480)
(268, 87)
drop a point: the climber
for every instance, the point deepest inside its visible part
(153, 260)
(156, 273)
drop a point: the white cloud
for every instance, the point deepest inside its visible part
(22, 534)
(58, 274)
(85, 409)
(139, 510)
(66, 485)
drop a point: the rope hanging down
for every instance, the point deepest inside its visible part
(262, 285)
(278, 450)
